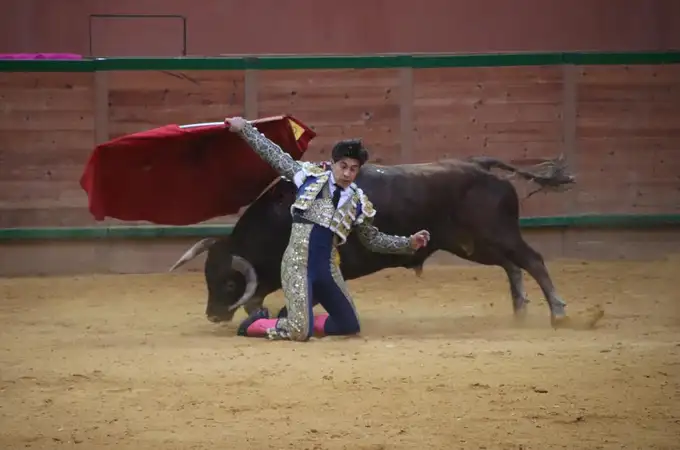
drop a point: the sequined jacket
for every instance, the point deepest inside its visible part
(314, 202)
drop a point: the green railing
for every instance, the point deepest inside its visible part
(200, 231)
(417, 61)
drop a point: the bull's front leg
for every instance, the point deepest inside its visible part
(253, 304)
(257, 300)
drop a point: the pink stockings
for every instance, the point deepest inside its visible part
(259, 327)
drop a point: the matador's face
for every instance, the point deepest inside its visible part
(345, 171)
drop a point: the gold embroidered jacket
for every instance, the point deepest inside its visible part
(314, 201)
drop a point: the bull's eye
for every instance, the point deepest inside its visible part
(230, 286)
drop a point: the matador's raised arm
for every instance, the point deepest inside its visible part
(281, 161)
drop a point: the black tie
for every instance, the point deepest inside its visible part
(336, 196)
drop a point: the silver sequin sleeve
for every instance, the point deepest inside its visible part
(281, 161)
(379, 242)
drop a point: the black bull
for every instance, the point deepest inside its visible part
(469, 211)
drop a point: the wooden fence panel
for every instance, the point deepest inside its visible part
(617, 125)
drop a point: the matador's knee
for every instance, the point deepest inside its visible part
(300, 335)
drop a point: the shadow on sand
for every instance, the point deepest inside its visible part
(441, 325)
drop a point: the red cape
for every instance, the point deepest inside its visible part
(176, 175)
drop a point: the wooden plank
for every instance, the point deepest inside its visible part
(627, 199)
(634, 143)
(190, 112)
(527, 150)
(177, 80)
(43, 102)
(442, 93)
(44, 143)
(642, 75)
(161, 97)
(628, 129)
(42, 215)
(570, 145)
(601, 151)
(101, 108)
(26, 173)
(658, 196)
(45, 80)
(473, 111)
(617, 174)
(638, 110)
(45, 193)
(347, 115)
(47, 120)
(339, 104)
(406, 122)
(250, 92)
(491, 113)
(46, 136)
(628, 92)
(542, 203)
(523, 131)
(499, 75)
(666, 163)
(140, 101)
(18, 100)
(604, 201)
(631, 115)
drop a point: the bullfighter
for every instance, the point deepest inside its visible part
(328, 206)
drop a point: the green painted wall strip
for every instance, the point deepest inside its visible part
(114, 232)
(200, 231)
(419, 61)
(630, 58)
(47, 65)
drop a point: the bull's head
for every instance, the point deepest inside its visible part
(231, 279)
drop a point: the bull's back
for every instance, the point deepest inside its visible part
(418, 191)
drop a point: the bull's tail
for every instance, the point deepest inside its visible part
(549, 175)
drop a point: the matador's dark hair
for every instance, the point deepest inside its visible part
(350, 148)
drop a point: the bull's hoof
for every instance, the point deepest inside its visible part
(283, 313)
(560, 321)
(593, 315)
(520, 314)
(584, 321)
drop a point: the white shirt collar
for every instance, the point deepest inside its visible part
(332, 186)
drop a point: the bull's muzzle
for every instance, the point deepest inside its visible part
(221, 318)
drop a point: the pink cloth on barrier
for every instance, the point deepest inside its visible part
(40, 56)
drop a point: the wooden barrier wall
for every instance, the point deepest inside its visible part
(618, 125)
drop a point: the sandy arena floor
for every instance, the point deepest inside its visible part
(129, 362)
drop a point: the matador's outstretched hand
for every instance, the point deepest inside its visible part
(420, 239)
(235, 124)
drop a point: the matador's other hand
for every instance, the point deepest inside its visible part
(235, 124)
(420, 239)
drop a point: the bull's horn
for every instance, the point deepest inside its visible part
(243, 266)
(198, 248)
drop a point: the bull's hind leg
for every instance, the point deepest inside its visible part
(530, 260)
(464, 245)
(519, 295)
